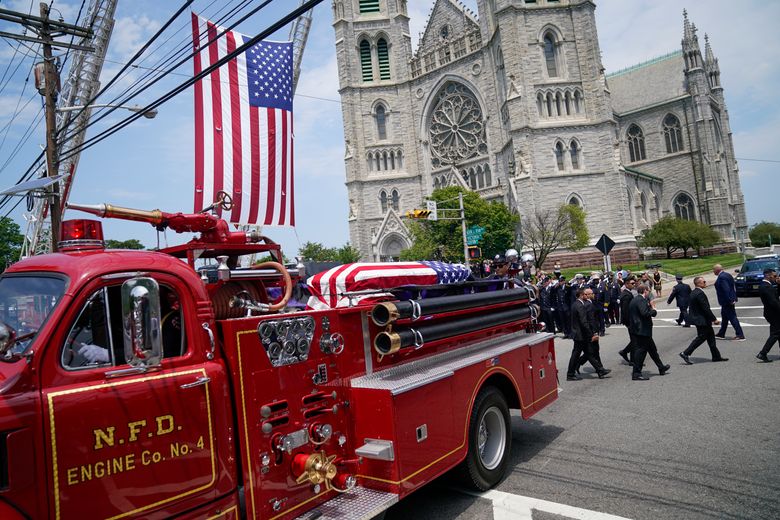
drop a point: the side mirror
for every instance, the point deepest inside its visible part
(736, 270)
(142, 323)
(7, 341)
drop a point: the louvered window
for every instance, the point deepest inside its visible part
(369, 6)
(383, 58)
(365, 61)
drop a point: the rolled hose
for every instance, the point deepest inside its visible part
(387, 312)
(390, 342)
(287, 283)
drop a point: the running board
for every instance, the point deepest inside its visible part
(358, 504)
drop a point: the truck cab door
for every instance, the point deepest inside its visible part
(128, 442)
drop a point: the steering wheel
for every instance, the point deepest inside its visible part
(224, 201)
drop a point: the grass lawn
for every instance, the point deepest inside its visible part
(683, 266)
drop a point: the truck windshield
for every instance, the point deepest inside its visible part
(25, 303)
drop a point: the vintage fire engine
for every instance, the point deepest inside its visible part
(139, 384)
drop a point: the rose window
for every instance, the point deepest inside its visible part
(457, 128)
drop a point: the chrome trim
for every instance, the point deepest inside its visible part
(367, 343)
(202, 380)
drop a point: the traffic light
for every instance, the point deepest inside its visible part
(475, 252)
(418, 213)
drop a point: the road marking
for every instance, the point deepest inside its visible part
(675, 309)
(508, 506)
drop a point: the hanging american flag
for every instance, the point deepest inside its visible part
(244, 127)
(328, 288)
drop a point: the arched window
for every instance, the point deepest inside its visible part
(549, 104)
(540, 104)
(558, 104)
(383, 58)
(488, 177)
(480, 177)
(636, 143)
(378, 161)
(574, 151)
(369, 6)
(381, 122)
(645, 209)
(365, 61)
(472, 178)
(574, 201)
(383, 201)
(577, 102)
(559, 155)
(549, 55)
(395, 199)
(683, 207)
(672, 134)
(568, 103)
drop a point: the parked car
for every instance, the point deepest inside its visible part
(752, 272)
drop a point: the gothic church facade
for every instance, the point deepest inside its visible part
(515, 105)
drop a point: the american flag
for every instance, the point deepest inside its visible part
(328, 288)
(244, 127)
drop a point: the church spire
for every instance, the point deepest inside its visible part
(711, 64)
(690, 44)
(709, 57)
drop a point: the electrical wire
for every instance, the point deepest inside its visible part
(118, 100)
(174, 92)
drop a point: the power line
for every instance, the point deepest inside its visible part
(756, 160)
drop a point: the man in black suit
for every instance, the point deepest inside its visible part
(626, 295)
(700, 314)
(583, 334)
(682, 293)
(641, 311)
(768, 294)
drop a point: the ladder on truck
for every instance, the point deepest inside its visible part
(78, 90)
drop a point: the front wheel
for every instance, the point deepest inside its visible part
(489, 442)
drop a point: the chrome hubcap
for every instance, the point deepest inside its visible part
(491, 438)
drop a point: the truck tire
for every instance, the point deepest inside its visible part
(489, 441)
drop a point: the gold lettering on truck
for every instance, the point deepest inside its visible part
(101, 436)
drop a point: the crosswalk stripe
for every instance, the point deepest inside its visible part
(508, 506)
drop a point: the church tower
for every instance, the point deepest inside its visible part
(373, 49)
(561, 136)
(721, 202)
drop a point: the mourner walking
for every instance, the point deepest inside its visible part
(626, 295)
(682, 293)
(583, 335)
(641, 312)
(700, 314)
(768, 293)
(727, 298)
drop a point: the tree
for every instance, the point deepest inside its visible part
(11, 241)
(548, 229)
(124, 244)
(347, 254)
(443, 239)
(674, 234)
(763, 232)
(316, 252)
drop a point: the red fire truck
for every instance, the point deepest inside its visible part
(142, 384)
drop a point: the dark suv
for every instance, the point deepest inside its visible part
(752, 273)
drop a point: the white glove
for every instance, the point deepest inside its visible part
(94, 353)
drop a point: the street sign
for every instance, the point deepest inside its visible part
(474, 235)
(605, 244)
(430, 205)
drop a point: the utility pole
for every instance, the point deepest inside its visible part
(50, 97)
(45, 30)
(463, 229)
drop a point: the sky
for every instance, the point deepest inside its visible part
(149, 164)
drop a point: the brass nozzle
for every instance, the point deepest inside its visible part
(154, 216)
(384, 313)
(387, 343)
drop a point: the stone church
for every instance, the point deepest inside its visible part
(515, 104)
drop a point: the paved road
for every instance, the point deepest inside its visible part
(701, 442)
